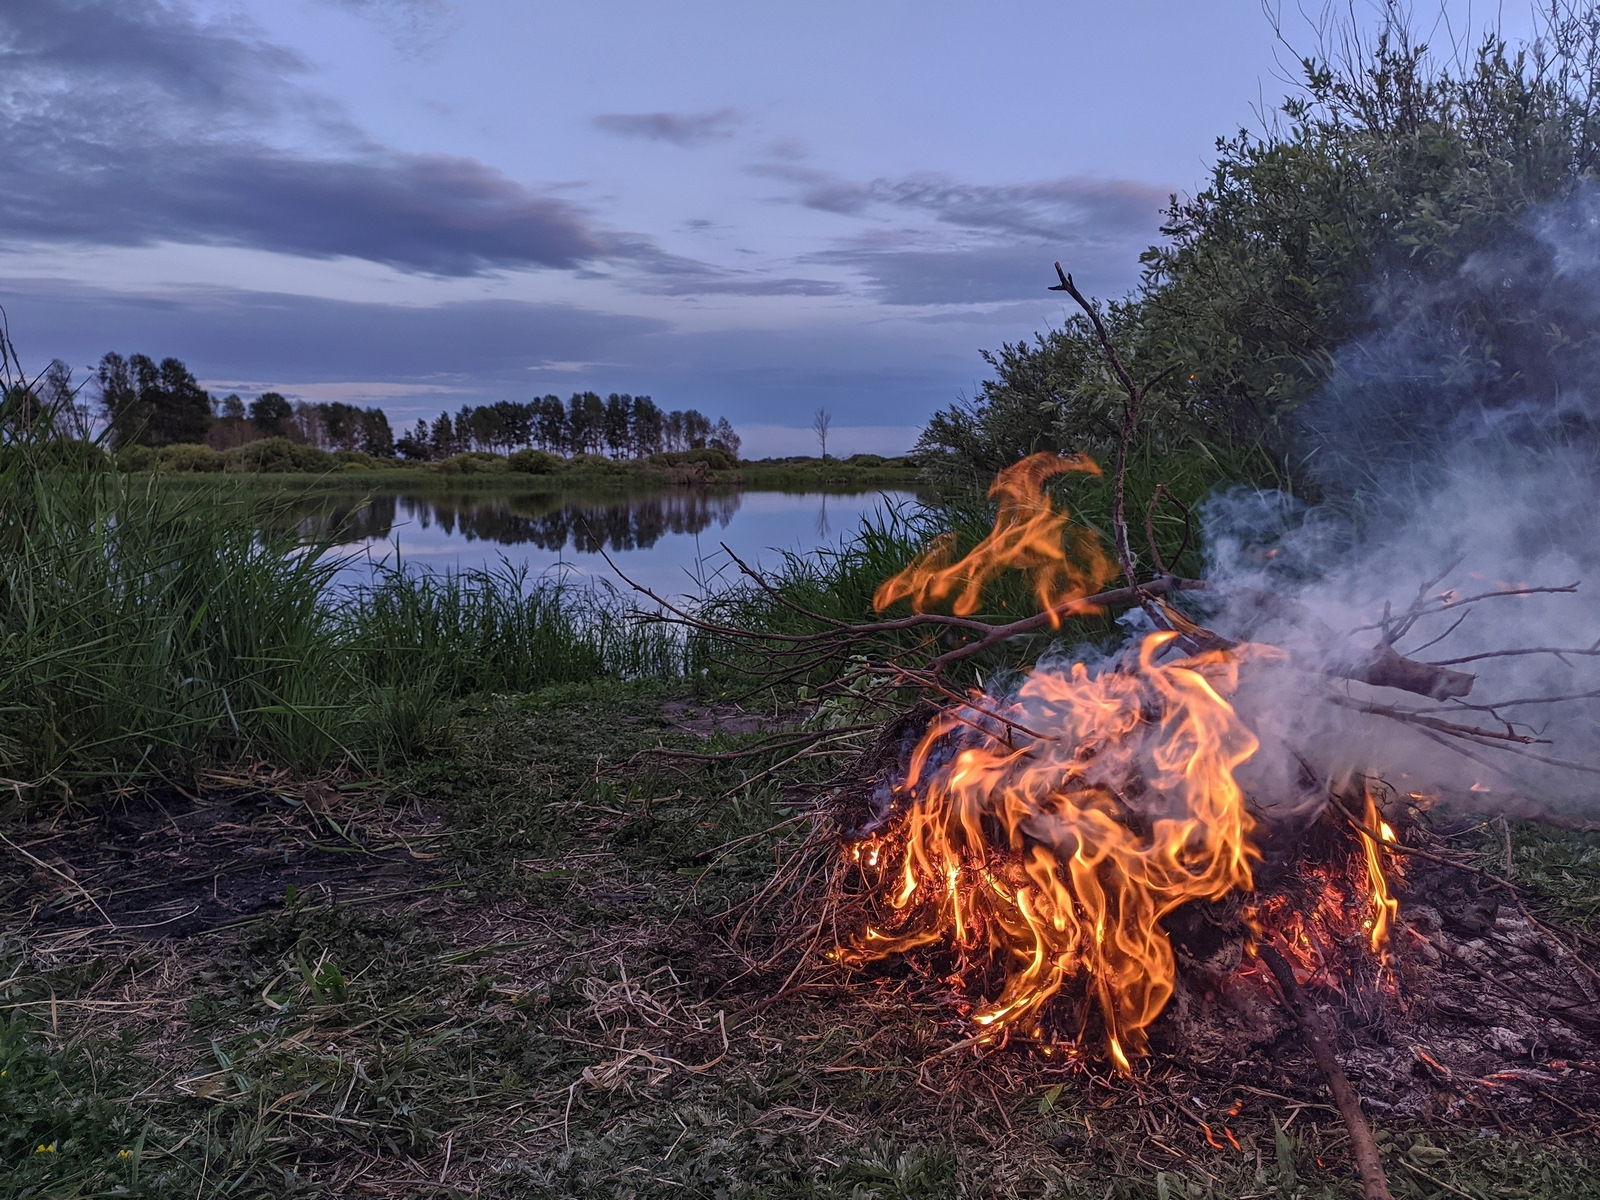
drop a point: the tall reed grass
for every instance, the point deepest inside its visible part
(145, 632)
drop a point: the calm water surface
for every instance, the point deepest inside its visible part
(670, 541)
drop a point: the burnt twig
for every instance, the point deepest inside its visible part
(1319, 1040)
(1130, 421)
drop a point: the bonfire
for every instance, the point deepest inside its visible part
(1106, 862)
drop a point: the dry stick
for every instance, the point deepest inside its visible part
(776, 594)
(1318, 1039)
(1414, 717)
(1385, 668)
(1508, 743)
(1130, 420)
(1558, 651)
(1447, 605)
(1052, 616)
(1409, 618)
(1515, 702)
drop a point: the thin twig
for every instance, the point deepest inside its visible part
(1130, 421)
(1318, 1038)
(1445, 604)
(1558, 651)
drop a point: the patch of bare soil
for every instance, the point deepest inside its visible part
(172, 865)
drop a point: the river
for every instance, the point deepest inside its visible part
(671, 541)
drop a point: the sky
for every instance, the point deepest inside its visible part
(756, 210)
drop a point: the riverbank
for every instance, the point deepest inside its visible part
(437, 891)
(275, 461)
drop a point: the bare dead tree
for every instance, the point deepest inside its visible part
(820, 424)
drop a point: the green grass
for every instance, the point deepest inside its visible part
(145, 633)
(1559, 868)
(65, 1126)
(344, 1049)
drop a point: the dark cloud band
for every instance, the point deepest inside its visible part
(130, 123)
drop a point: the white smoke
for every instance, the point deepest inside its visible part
(1492, 488)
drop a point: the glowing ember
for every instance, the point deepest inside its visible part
(1065, 561)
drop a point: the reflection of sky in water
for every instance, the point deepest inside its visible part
(665, 541)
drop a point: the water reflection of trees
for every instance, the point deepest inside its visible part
(550, 522)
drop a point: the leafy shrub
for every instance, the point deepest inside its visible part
(715, 458)
(535, 462)
(1358, 205)
(277, 456)
(187, 456)
(136, 458)
(355, 460)
(473, 462)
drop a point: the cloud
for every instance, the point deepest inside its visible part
(131, 48)
(230, 334)
(130, 123)
(983, 275)
(426, 213)
(681, 129)
(415, 26)
(1041, 209)
(496, 349)
(929, 239)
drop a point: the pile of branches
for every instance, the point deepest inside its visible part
(912, 657)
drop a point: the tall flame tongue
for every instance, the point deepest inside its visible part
(1065, 560)
(1044, 837)
(1385, 908)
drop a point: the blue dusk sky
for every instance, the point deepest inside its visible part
(754, 209)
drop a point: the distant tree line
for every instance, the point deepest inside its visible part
(146, 403)
(621, 426)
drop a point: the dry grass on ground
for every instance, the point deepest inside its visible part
(508, 977)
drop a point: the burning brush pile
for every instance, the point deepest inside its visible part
(1211, 853)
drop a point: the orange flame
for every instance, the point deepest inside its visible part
(1066, 561)
(1385, 908)
(1057, 857)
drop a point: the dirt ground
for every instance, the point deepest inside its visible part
(507, 971)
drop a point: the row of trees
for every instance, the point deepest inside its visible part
(147, 403)
(622, 426)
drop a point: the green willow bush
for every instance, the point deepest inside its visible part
(1359, 209)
